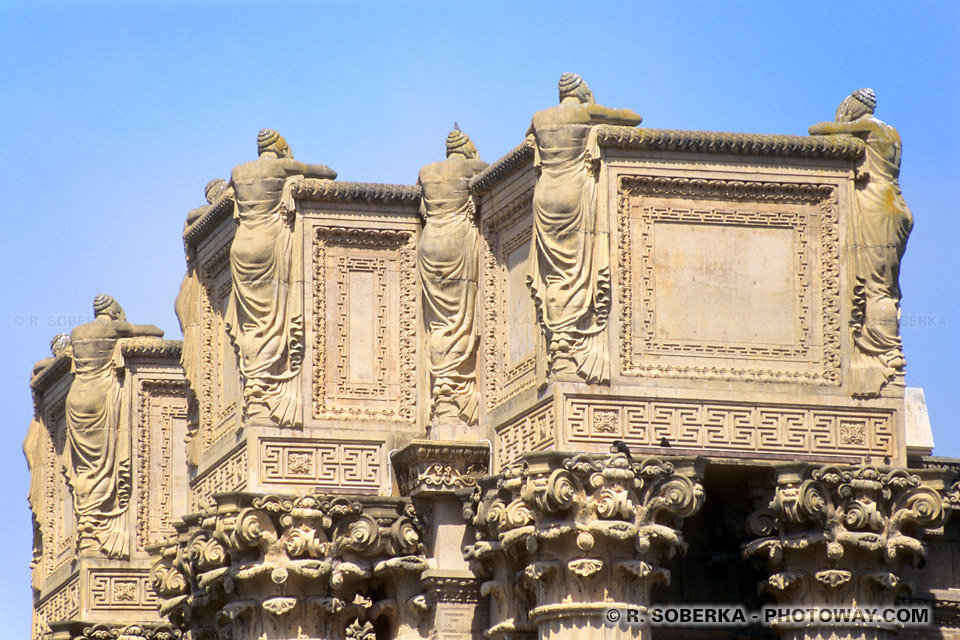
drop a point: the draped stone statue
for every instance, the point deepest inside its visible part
(881, 228)
(265, 313)
(448, 263)
(35, 451)
(99, 464)
(187, 307)
(570, 282)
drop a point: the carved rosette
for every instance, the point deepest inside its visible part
(839, 537)
(561, 537)
(430, 467)
(264, 566)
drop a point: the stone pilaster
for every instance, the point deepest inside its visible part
(839, 537)
(430, 472)
(564, 537)
(311, 567)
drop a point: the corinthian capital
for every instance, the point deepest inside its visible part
(582, 532)
(309, 564)
(841, 535)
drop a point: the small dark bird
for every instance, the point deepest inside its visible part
(664, 442)
(622, 447)
(456, 126)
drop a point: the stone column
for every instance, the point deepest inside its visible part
(567, 537)
(430, 472)
(839, 537)
(310, 568)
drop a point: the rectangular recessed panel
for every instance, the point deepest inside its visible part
(521, 320)
(360, 330)
(719, 283)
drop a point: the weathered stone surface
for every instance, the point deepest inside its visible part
(265, 315)
(447, 261)
(99, 467)
(363, 364)
(882, 222)
(570, 279)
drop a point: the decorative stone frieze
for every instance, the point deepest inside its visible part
(264, 566)
(128, 632)
(562, 537)
(430, 467)
(837, 536)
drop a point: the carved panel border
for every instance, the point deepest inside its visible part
(229, 474)
(532, 431)
(501, 383)
(403, 244)
(330, 465)
(159, 485)
(823, 196)
(212, 422)
(58, 539)
(729, 426)
(62, 604)
(121, 590)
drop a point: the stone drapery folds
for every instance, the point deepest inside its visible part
(882, 225)
(265, 313)
(570, 280)
(448, 264)
(99, 442)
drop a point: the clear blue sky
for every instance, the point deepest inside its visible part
(117, 114)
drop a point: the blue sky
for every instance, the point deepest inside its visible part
(118, 113)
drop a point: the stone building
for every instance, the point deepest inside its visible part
(618, 370)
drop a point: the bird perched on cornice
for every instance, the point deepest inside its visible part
(622, 447)
(664, 442)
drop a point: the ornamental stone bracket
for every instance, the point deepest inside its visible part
(427, 468)
(73, 630)
(432, 472)
(265, 567)
(561, 537)
(840, 536)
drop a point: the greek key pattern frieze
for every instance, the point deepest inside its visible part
(754, 429)
(533, 431)
(329, 465)
(124, 590)
(63, 604)
(229, 474)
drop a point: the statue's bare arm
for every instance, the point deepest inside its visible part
(857, 127)
(125, 329)
(294, 168)
(605, 115)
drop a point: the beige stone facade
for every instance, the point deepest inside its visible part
(617, 368)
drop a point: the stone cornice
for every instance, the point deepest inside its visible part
(753, 144)
(209, 221)
(149, 347)
(372, 192)
(50, 374)
(507, 164)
